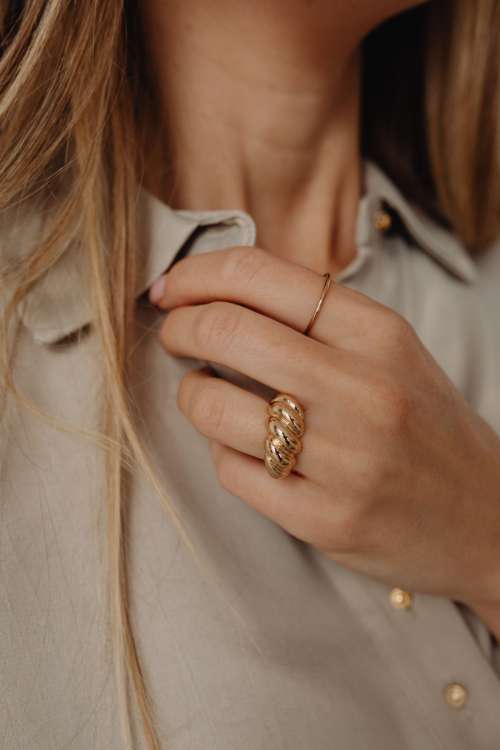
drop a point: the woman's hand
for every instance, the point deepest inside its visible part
(398, 477)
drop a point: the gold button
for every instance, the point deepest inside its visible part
(456, 695)
(382, 221)
(400, 599)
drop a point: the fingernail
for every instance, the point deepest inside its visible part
(157, 290)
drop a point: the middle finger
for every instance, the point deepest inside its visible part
(252, 344)
(238, 418)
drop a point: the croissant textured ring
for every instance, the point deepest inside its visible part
(285, 427)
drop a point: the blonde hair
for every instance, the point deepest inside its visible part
(73, 94)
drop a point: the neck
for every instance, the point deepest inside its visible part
(259, 110)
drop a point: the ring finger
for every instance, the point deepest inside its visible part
(237, 418)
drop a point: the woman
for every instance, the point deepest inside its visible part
(347, 579)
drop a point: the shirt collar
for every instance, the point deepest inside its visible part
(57, 305)
(441, 244)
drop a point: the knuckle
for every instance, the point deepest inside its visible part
(217, 325)
(393, 327)
(244, 264)
(389, 404)
(204, 406)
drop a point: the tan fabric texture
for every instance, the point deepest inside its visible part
(287, 650)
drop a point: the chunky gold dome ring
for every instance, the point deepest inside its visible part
(285, 427)
(285, 418)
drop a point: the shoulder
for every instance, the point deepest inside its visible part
(57, 301)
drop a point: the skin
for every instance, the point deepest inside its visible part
(398, 477)
(258, 105)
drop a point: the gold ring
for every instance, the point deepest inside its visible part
(285, 427)
(326, 287)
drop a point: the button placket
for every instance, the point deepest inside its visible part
(455, 693)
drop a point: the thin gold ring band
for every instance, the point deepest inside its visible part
(326, 287)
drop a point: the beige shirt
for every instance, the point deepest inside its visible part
(290, 650)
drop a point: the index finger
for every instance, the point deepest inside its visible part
(282, 290)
